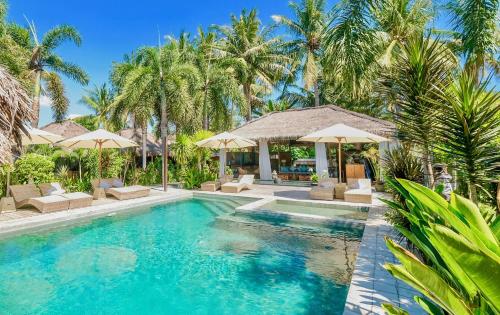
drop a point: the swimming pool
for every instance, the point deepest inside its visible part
(177, 258)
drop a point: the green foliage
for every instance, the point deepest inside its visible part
(89, 121)
(460, 267)
(33, 166)
(193, 178)
(470, 130)
(402, 163)
(301, 153)
(373, 156)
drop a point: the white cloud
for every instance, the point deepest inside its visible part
(45, 101)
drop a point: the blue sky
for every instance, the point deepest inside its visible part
(111, 29)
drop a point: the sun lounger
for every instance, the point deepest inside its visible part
(244, 182)
(76, 199)
(29, 195)
(325, 189)
(114, 187)
(215, 185)
(359, 191)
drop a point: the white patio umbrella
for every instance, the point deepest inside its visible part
(38, 136)
(99, 139)
(341, 133)
(224, 141)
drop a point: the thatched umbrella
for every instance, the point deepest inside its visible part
(15, 113)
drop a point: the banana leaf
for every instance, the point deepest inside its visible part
(426, 280)
(393, 310)
(428, 306)
(480, 268)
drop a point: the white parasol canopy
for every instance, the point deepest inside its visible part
(339, 134)
(99, 139)
(224, 141)
(38, 136)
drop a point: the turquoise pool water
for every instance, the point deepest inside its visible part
(187, 257)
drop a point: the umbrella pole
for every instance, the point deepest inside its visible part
(100, 162)
(340, 163)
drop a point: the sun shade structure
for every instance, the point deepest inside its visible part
(99, 139)
(224, 141)
(38, 136)
(66, 129)
(341, 133)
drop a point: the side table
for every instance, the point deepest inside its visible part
(7, 204)
(99, 193)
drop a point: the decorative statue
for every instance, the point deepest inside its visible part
(444, 179)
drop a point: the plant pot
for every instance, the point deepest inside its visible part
(379, 187)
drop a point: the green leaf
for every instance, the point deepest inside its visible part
(426, 280)
(428, 306)
(393, 310)
(482, 269)
(471, 212)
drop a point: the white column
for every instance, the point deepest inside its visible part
(222, 163)
(264, 161)
(321, 160)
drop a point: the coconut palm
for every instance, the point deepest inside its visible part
(99, 99)
(351, 49)
(476, 29)
(46, 66)
(397, 21)
(423, 66)
(308, 27)
(470, 130)
(257, 59)
(219, 88)
(164, 80)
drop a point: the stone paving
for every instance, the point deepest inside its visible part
(371, 284)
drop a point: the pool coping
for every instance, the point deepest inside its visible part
(61, 218)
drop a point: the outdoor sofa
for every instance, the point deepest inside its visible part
(29, 195)
(76, 199)
(115, 188)
(359, 190)
(244, 182)
(325, 189)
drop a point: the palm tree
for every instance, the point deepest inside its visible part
(470, 130)
(164, 80)
(219, 88)
(397, 21)
(47, 65)
(257, 60)
(424, 66)
(99, 99)
(308, 28)
(476, 29)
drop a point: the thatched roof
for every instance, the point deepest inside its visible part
(295, 123)
(153, 144)
(15, 113)
(66, 129)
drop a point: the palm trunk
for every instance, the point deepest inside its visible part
(316, 94)
(248, 96)
(164, 135)
(205, 109)
(36, 98)
(429, 173)
(144, 140)
(80, 168)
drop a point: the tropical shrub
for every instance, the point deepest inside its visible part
(34, 166)
(193, 178)
(112, 163)
(459, 268)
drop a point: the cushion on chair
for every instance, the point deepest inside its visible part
(117, 183)
(105, 185)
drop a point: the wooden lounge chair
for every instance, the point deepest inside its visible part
(325, 189)
(76, 199)
(215, 185)
(244, 182)
(114, 187)
(359, 190)
(29, 195)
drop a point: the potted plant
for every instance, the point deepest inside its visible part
(372, 155)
